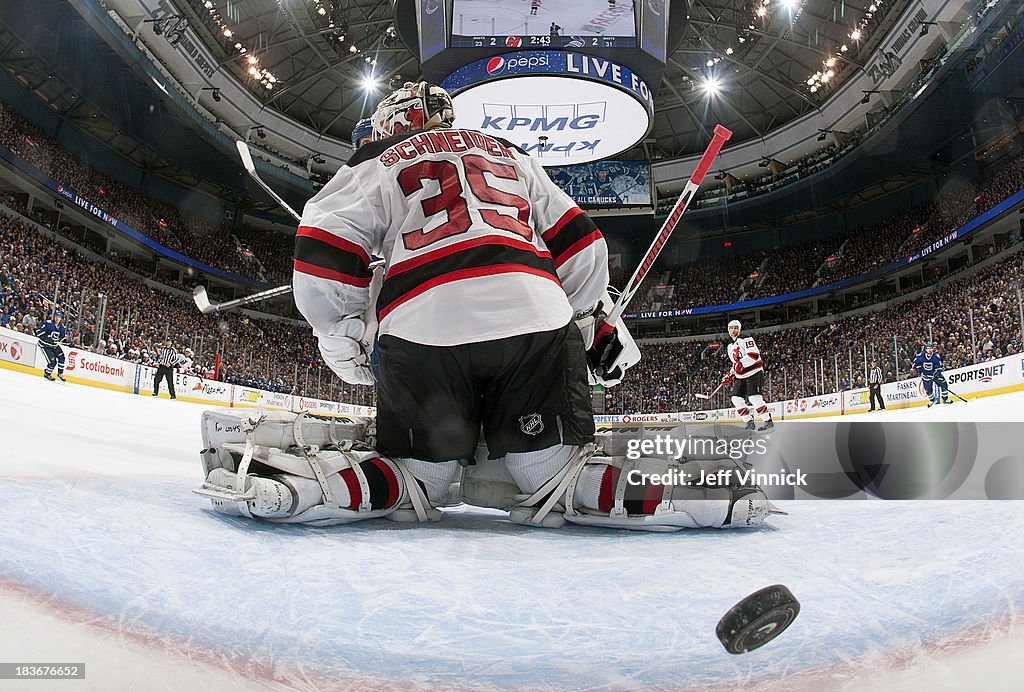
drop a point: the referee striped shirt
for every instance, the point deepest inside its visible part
(168, 356)
(875, 377)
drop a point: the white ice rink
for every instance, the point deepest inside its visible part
(107, 558)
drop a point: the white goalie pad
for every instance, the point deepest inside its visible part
(680, 442)
(280, 444)
(683, 505)
(488, 483)
(280, 429)
(271, 495)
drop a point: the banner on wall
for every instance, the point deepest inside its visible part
(17, 350)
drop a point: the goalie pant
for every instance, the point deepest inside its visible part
(248, 473)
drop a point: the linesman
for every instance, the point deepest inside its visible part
(166, 360)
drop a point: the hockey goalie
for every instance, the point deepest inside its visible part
(491, 326)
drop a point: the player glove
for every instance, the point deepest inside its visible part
(727, 378)
(345, 355)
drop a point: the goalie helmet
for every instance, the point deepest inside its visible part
(419, 106)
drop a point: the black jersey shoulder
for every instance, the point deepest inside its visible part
(372, 150)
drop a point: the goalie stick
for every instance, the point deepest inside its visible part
(718, 140)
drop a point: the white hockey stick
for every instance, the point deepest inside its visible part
(718, 139)
(202, 300)
(708, 396)
(250, 168)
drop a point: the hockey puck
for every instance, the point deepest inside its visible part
(757, 619)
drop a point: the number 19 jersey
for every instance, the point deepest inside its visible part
(478, 242)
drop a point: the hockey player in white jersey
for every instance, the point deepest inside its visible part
(494, 286)
(746, 375)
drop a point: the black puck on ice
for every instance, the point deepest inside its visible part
(757, 619)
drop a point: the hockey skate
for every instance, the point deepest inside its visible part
(767, 426)
(751, 425)
(60, 376)
(49, 377)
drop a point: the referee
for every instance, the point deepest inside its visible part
(875, 385)
(166, 361)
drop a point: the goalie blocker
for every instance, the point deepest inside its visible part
(296, 468)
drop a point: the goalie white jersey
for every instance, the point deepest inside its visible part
(479, 243)
(744, 357)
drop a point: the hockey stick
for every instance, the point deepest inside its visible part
(720, 137)
(708, 396)
(250, 168)
(957, 395)
(202, 300)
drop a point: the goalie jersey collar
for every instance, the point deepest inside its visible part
(373, 150)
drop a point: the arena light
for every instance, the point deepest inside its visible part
(370, 83)
(712, 86)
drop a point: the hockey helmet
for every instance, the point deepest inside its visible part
(929, 344)
(735, 323)
(58, 313)
(419, 106)
(363, 128)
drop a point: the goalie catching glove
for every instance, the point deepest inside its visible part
(612, 349)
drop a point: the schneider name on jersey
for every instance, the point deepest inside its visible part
(479, 243)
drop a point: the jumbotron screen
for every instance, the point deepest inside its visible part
(543, 24)
(605, 183)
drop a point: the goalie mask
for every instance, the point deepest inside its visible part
(419, 106)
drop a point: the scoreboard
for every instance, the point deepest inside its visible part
(548, 41)
(569, 81)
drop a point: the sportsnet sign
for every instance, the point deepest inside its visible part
(559, 106)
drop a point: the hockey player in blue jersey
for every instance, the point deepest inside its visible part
(51, 335)
(928, 364)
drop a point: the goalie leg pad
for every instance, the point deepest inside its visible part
(629, 499)
(331, 487)
(280, 429)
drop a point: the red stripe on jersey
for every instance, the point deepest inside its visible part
(434, 255)
(576, 247)
(762, 409)
(331, 275)
(566, 218)
(352, 483)
(652, 498)
(606, 495)
(389, 474)
(331, 239)
(471, 273)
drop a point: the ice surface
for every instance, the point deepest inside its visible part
(107, 558)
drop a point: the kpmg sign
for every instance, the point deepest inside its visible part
(559, 106)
